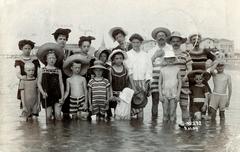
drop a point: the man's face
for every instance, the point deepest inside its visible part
(136, 44)
(176, 43)
(195, 40)
(61, 40)
(161, 37)
(76, 67)
(30, 71)
(120, 38)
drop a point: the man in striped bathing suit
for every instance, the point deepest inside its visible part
(184, 62)
(160, 34)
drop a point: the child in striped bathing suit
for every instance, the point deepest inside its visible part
(76, 85)
(99, 91)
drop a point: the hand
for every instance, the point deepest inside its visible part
(90, 108)
(85, 106)
(185, 78)
(227, 104)
(61, 101)
(177, 98)
(23, 77)
(44, 94)
(162, 98)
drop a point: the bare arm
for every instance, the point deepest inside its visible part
(61, 85)
(179, 87)
(85, 91)
(67, 89)
(229, 90)
(90, 98)
(18, 73)
(39, 83)
(215, 63)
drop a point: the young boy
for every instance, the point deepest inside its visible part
(198, 93)
(170, 83)
(76, 86)
(219, 97)
(99, 91)
(29, 92)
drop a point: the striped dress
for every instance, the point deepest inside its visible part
(183, 59)
(99, 95)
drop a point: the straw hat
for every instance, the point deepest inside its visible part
(98, 65)
(176, 34)
(139, 100)
(160, 29)
(195, 34)
(76, 58)
(50, 47)
(114, 29)
(115, 52)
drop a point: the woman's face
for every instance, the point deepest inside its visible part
(26, 50)
(85, 46)
(120, 38)
(51, 59)
(118, 59)
(136, 44)
(61, 40)
(103, 57)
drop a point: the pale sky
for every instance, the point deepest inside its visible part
(37, 19)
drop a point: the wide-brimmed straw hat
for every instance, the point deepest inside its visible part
(102, 50)
(191, 75)
(115, 29)
(47, 48)
(98, 65)
(83, 60)
(176, 34)
(110, 58)
(139, 100)
(195, 34)
(160, 29)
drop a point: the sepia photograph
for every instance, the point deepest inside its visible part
(119, 76)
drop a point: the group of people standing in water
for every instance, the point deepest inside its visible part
(117, 83)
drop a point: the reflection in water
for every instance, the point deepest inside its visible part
(117, 136)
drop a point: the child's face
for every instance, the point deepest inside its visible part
(85, 47)
(76, 68)
(198, 79)
(118, 59)
(170, 60)
(61, 40)
(29, 71)
(220, 68)
(103, 57)
(98, 72)
(51, 59)
(26, 50)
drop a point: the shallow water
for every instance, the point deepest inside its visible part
(17, 135)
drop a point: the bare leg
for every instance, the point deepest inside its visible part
(172, 110)
(222, 115)
(213, 114)
(49, 113)
(165, 110)
(57, 111)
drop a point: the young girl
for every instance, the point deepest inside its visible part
(198, 93)
(170, 84)
(99, 91)
(119, 77)
(50, 82)
(102, 54)
(25, 46)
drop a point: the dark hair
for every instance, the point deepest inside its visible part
(118, 53)
(116, 32)
(61, 31)
(21, 43)
(106, 52)
(85, 38)
(136, 36)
